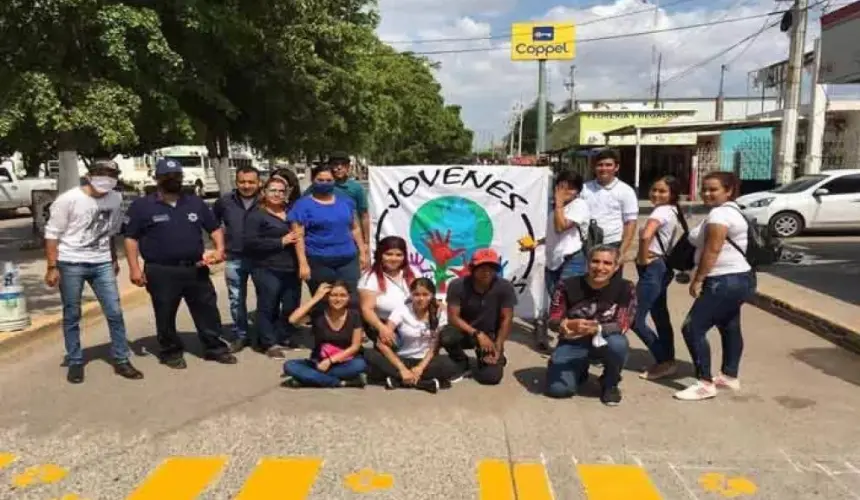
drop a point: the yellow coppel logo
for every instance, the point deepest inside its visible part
(550, 41)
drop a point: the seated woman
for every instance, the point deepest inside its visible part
(412, 359)
(335, 359)
(385, 287)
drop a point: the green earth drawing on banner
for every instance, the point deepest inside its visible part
(447, 231)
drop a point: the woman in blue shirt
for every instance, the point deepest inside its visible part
(331, 248)
(269, 244)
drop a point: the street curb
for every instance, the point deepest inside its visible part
(46, 326)
(833, 331)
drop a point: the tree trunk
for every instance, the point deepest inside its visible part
(222, 167)
(68, 177)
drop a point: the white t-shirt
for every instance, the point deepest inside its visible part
(667, 216)
(566, 243)
(611, 206)
(730, 260)
(395, 295)
(413, 335)
(84, 225)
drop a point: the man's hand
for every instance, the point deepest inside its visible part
(408, 377)
(52, 277)
(418, 371)
(485, 343)
(695, 289)
(574, 328)
(137, 277)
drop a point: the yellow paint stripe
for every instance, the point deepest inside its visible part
(281, 479)
(6, 459)
(494, 480)
(532, 482)
(179, 478)
(617, 482)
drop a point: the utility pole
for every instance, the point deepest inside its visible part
(512, 127)
(541, 111)
(718, 113)
(788, 131)
(570, 85)
(521, 109)
(659, 77)
(817, 119)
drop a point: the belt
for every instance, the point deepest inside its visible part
(174, 263)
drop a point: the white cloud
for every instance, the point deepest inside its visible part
(487, 83)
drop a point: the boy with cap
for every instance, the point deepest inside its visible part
(165, 228)
(79, 248)
(480, 316)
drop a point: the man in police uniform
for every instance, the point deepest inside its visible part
(165, 228)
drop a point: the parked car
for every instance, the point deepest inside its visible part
(829, 200)
(17, 193)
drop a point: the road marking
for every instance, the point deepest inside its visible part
(179, 478)
(39, 474)
(367, 481)
(281, 478)
(532, 482)
(616, 482)
(494, 480)
(727, 487)
(6, 459)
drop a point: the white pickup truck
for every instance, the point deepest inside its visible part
(17, 193)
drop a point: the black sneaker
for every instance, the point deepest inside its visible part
(126, 370)
(391, 383)
(225, 358)
(291, 383)
(175, 363)
(75, 374)
(611, 396)
(358, 382)
(276, 352)
(443, 384)
(431, 386)
(239, 344)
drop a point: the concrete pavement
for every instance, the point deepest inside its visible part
(222, 432)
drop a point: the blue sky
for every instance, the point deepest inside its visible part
(480, 77)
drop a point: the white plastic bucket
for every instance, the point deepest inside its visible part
(13, 302)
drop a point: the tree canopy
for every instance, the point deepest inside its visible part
(291, 78)
(530, 120)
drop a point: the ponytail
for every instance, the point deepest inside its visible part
(433, 313)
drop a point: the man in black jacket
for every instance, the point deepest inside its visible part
(230, 211)
(592, 313)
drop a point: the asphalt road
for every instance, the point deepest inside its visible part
(230, 432)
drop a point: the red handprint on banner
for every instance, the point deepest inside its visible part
(440, 249)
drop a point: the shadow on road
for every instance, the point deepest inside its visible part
(829, 267)
(832, 361)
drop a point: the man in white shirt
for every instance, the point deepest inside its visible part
(613, 204)
(79, 249)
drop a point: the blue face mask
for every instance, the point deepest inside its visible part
(323, 187)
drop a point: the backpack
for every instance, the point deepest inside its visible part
(682, 256)
(592, 237)
(762, 247)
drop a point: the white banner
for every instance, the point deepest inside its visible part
(445, 213)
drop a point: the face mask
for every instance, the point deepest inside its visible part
(102, 184)
(172, 186)
(323, 187)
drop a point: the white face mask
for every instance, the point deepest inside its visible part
(103, 184)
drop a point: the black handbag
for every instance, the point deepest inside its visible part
(682, 257)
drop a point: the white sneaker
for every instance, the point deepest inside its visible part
(726, 382)
(697, 392)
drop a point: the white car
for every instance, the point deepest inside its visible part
(829, 200)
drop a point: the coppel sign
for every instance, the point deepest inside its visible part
(536, 41)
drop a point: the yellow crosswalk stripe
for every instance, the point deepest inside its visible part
(287, 478)
(6, 459)
(528, 481)
(179, 478)
(616, 482)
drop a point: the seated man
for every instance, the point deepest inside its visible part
(480, 315)
(591, 314)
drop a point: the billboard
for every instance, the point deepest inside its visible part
(544, 40)
(446, 213)
(840, 45)
(593, 124)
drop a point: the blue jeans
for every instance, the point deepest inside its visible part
(331, 269)
(574, 265)
(305, 371)
(718, 305)
(102, 280)
(654, 280)
(568, 365)
(278, 295)
(236, 273)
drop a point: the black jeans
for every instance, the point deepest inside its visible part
(167, 286)
(440, 367)
(331, 269)
(456, 342)
(278, 295)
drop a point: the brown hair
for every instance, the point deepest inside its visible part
(275, 179)
(728, 180)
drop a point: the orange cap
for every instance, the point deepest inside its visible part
(485, 256)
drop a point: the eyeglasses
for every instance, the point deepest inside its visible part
(276, 191)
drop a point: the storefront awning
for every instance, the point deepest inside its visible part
(695, 127)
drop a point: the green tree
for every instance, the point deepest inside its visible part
(530, 121)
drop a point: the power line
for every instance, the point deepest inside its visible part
(601, 38)
(508, 34)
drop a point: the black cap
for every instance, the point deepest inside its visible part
(104, 165)
(338, 157)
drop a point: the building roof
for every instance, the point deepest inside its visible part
(695, 127)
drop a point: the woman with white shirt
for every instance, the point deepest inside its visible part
(655, 241)
(412, 360)
(385, 287)
(722, 283)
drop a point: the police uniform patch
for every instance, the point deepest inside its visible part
(192, 217)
